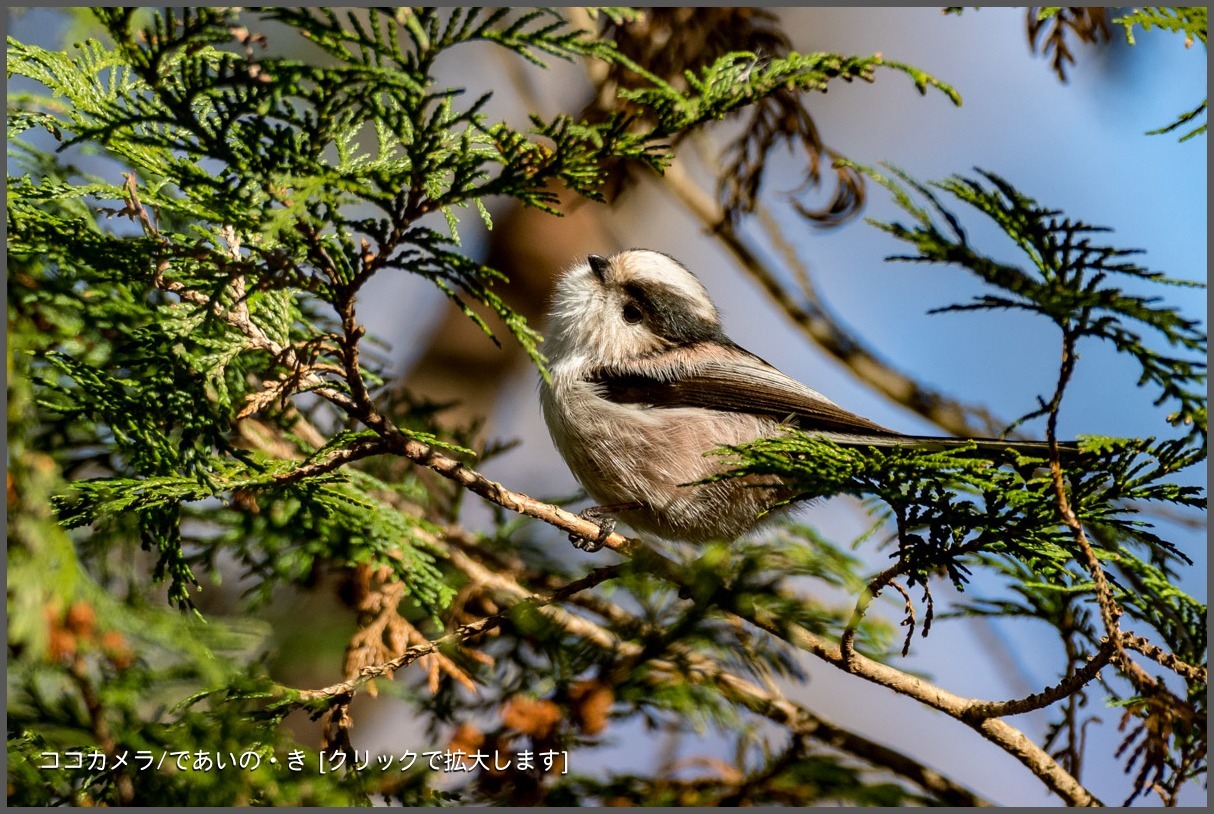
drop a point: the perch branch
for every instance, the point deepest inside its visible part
(1005, 736)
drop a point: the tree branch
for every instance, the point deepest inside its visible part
(1189, 672)
(357, 450)
(462, 633)
(766, 702)
(1008, 738)
(1110, 613)
(1039, 700)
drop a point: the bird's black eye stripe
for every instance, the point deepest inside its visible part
(638, 304)
(667, 313)
(638, 293)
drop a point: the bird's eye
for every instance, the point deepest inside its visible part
(633, 314)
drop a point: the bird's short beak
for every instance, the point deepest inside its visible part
(598, 265)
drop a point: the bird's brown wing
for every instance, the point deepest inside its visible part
(730, 379)
(739, 383)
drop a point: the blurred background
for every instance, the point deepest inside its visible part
(1078, 146)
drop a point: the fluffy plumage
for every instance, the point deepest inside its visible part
(645, 382)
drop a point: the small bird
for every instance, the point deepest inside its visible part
(644, 382)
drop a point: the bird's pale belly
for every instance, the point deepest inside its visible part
(655, 456)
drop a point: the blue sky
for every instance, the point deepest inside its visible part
(1078, 146)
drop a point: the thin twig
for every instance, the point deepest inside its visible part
(1189, 672)
(1040, 700)
(358, 449)
(1110, 613)
(123, 786)
(461, 633)
(768, 702)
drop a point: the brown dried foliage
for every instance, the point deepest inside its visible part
(73, 634)
(383, 633)
(590, 705)
(1153, 722)
(536, 717)
(1089, 23)
(667, 42)
(80, 619)
(467, 739)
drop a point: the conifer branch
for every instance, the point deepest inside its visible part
(998, 732)
(1050, 695)
(356, 450)
(1189, 672)
(766, 702)
(342, 690)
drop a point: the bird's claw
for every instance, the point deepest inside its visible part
(606, 524)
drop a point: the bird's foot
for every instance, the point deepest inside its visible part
(601, 516)
(606, 524)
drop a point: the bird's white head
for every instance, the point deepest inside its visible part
(610, 310)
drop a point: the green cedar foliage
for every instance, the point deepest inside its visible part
(161, 328)
(1188, 20)
(953, 514)
(188, 382)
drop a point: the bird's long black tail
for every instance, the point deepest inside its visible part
(983, 446)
